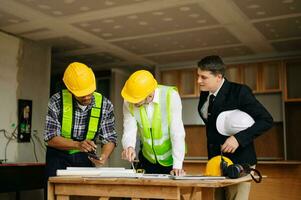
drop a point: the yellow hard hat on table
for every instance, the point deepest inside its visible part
(79, 79)
(139, 85)
(213, 167)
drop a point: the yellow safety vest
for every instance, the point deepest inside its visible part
(155, 137)
(67, 117)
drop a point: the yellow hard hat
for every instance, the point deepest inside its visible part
(139, 85)
(213, 167)
(79, 79)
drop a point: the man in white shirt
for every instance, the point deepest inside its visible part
(155, 111)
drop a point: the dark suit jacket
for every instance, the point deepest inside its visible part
(235, 96)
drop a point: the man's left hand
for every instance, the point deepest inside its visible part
(230, 145)
(177, 172)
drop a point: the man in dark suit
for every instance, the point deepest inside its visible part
(218, 95)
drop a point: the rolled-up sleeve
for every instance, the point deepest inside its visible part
(107, 126)
(52, 125)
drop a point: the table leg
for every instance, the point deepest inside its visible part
(208, 193)
(62, 197)
(50, 193)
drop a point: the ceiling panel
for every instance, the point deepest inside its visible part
(61, 44)
(171, 19)
(153, 32)
(7, 19)
(59, 8)
(256, 9)
(91, 59)
(197, 55)
(179, 41)
(290, 45)
(281, 28)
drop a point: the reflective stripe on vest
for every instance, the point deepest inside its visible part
(67, 117)
(156, 137)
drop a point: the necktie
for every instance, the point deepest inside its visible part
(211, 98)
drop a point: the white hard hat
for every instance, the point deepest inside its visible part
(233, 121)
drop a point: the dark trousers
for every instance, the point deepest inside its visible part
(58, 159)
(151, 168)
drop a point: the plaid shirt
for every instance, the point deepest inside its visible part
(106, 131)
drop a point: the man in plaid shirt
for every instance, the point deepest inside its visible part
(75, 118)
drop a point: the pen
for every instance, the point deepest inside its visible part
(133, 166)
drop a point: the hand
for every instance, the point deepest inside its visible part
(128, 154)
(230, 145)
(177, 172)
(99, 162)
(87, 146)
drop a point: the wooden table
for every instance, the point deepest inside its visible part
(62, 187)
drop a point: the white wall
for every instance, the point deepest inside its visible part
(118, 79)
(25, 74)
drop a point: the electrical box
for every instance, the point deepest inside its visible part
(24, 120)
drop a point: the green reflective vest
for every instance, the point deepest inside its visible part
(67, 117)
(155, 137)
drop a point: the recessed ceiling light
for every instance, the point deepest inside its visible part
(109, 3)
(194, 15)
(68, 1)
(201, 21)
(272, 30)
(157, 13)
(287, 1)
(167, 19)
(108, 21)
(117, 26)
(143, 23)
(107, 34)
(184, 9)
(84, 8)
(57, 12)
(253, 6)
(132, 17)
(44, 7)
(84, 24)
(96, 30)
(260, 13)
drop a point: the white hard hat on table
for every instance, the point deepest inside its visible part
(233, 121)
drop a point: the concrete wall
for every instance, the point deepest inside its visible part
(118, 79)
(25, 74)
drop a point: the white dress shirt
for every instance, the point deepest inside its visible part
(177, 132)
(204, 109)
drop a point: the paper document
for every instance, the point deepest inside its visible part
(99, 172)
(156, 176)
(198, 177)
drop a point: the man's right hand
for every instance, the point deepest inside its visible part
(128, 154)
(87, 146)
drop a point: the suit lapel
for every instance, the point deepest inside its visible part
(203, 99)
(220, 98)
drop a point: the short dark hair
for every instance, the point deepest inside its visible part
(212, 63)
